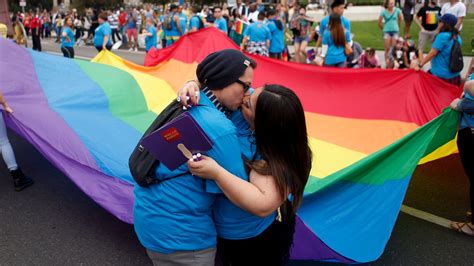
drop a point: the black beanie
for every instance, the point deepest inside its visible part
(220, 69)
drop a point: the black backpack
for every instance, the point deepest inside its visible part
(456, 62)
(201, 24)
(168, 20)
(142, 164)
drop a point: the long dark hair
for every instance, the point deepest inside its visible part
(445, 27)
(282, 141)
(337, 30)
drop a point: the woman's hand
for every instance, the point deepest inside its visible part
(206, 168)
(190, 89)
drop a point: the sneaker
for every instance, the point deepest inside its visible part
(136, 50)
(130, 50)
(20, 181)
(21, 184)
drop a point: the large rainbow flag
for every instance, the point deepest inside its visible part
(369, 129)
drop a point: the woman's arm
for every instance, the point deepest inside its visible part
(433, 52)
(380, 22)
(5, 105)
(106, 40)
(260, 196)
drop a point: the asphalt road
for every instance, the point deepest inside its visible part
(54, 223)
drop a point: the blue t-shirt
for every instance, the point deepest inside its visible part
(258, 32)
(177, 214)
(221, 24)
(70, 34)
(335, 54)
(183, 21)
(194, 22)
(131, 21)
(174, 28)
(150, 41)
(390, 21)
(231, 221)
(102, 31)
(324, 25)
(467, 120)
(440, 63)
(277, 42)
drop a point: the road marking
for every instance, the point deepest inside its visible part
(426, 216)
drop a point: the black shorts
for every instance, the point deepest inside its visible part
(271, 247)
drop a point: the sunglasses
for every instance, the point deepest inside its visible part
(245, 85)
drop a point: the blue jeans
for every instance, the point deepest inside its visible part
(6, 147)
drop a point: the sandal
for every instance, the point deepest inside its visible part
(469, 214)
(465, 228)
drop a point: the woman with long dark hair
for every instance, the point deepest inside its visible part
(337, 43)
(278, 158)
(440, 53)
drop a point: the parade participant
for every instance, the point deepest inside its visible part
(102, 35)
(465, 142)
(220, 21)
(337, 7)
(279, 164)
(440, 53)
(172, 26)
(429, 15)
(277, 30)
(337, 43)
(174, 219)
(20, 181)
(151, 35)
(257, 37)
(389, 21)
(195, 22)
(456, 8)
(67, 38)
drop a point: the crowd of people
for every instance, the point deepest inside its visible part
(264, 30)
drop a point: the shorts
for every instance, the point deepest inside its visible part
(130, 33)
(424, 37)
(299, 39)
(391, 34)
(337, 65)
(192, 257)
(408, 18)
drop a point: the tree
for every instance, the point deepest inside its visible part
(14, 5)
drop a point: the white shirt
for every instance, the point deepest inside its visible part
(253, 16)
(458, 9)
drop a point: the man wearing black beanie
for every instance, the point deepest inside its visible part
(174, 219)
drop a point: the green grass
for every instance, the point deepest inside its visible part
(368, 34)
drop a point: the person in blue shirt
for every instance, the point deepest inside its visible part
(220, 21)
(257, 37)
(102, 34)
(163, 30)
(440, 53)
(183, 20)
(275, 148)
(277, 29)
(337, 7)
(465, 143)
(174, 219)
(151, 35)
(336, 41)
(195, 22)
(175, 32)
(67, 38)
